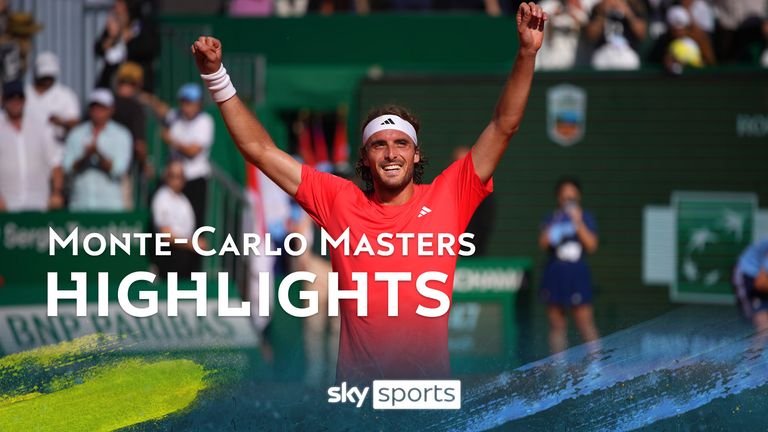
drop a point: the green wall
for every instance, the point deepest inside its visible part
(399, 41)
(316, 61)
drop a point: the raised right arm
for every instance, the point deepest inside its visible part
(252, 140)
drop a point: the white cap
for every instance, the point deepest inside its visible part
(678, 17)
(47, 65)
(101, 96)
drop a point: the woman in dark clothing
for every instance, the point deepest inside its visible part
(567, 234)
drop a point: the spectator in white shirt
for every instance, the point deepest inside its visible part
(172, 214)
(30, 161)
(50, 99)
(189, 136)
(616, 29)
(563, 31)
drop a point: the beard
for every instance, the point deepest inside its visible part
(382, 182)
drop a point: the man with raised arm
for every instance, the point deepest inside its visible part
(396, 211)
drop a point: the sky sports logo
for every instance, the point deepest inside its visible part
(401, 394)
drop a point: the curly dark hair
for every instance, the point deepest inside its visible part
(365, 172)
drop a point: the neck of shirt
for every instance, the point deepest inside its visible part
(387, 198)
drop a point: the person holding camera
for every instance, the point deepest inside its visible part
(567, 235)
(616, 28)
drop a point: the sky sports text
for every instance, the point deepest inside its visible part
(401, 394)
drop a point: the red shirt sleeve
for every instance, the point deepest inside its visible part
(318, 191)
(470, 191)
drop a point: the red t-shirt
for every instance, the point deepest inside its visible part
(406, 346)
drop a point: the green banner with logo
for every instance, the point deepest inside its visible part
(712, 229)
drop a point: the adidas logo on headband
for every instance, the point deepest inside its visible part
(389, 121)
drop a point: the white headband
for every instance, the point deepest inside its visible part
(389, 122)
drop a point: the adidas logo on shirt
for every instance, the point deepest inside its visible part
(424, 211)
(388, 121)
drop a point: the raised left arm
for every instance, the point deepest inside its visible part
(493, 141)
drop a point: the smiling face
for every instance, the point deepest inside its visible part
(391, 156)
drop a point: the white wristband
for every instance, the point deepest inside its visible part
(219, 85)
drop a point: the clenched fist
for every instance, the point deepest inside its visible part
(530, 27)
(207, 53)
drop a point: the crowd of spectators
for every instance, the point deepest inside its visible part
(626, 34)
(56, 154)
